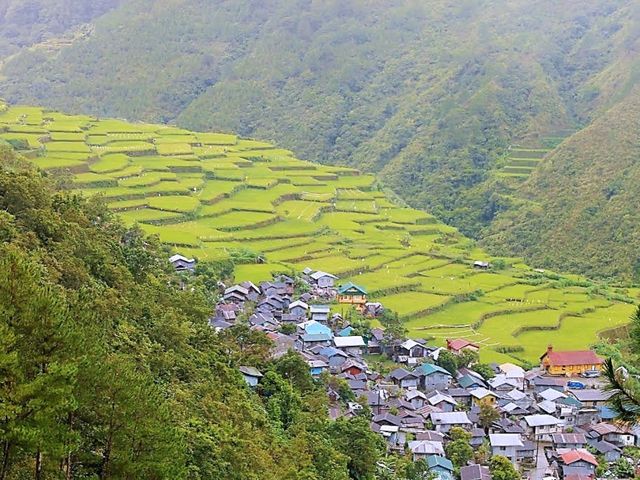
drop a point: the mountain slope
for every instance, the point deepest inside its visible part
(428, 94)
(582, 202)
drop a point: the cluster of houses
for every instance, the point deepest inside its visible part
(548, 424)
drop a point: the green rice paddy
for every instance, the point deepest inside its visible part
(206, 194)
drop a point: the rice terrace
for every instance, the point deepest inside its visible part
(213, 195)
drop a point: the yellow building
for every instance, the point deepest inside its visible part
(570, 363)
(352, 294)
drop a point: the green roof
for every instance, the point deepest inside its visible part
(348, 286)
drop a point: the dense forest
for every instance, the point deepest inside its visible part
(110, 371)
(428, 94)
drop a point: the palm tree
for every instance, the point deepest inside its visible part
(625, 401)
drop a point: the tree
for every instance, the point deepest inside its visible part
(622, 468)
(485, 370)
(502, 469)
(363, 447)
(458, 450)
(635, 331)
(488, 414)
(448, 361)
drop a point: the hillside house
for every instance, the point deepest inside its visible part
(352, 345)
(441, 466)
(311, 340)
(317, 367)
(579, 462)
(298, 308)
(542, 426)
(568, 440)
(421, 449)
(506, 444)
(460, 345)
(404, 378)
(416, 398)
(445, 421)
(352, 294)
(353, 367)
(251, 375)
(441, 401)
(409, 352)
(323, 279)
(320, 313)
(315, 327)
(182, 264)
(481, 265)
(570, 363)
(475, 472)
(335, 357)
(611, 433)
(609, 451)
(433, 377)
(591, 397)
(482, 395)
(373, 309)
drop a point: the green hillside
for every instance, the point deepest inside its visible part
(579, 209)
(430, 94)
(219, 197)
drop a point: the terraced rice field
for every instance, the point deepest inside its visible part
(208, 194)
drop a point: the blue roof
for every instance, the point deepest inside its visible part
(467, 381)
(345, 332)
(315, 337)
(606, 413)
(314, 327)
(438, 461)
(427, 369)
(349, 285)
(331, 352)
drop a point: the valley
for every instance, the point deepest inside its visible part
(216, 196)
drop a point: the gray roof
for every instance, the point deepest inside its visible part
(250, 371)
(591, 395)
(505, 440)
(450, 418)
(541, 420)
(475, 472)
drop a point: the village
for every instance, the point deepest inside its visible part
(551, 422)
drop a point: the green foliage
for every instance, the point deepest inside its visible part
(110, 371)
(458, 449)
(622, 468)
(487, 415)
(502, 469)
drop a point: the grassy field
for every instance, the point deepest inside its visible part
(207, 194)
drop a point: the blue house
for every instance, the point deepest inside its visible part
(313, 327)
(316, 367)
(441, 466)
(335, 356)
(345, 332)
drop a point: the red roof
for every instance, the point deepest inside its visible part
(573, 456)
(577, 357)
(459, 344)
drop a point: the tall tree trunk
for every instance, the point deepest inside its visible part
(6, 450)
(38, 472)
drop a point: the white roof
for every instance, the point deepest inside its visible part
(547, 406)
(541, 420)
(352, 341)
(503, 379)
(319, 274)
(298, 303)
(481, 392)
(505, 440)
(438, 397)
(450, 418)
(516, 395)
(509, 407)
(320, 308)
(411, 394)
(511, 370)
(177, 257)
(551, 394)
(409, 344)
(236, 288)
(426, 447)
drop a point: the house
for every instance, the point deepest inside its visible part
(323, 279)
(409, 352)
(460, 345)
(316, 367)
(310, 340)
(416, 398)
(481, 265)
(482, 395)
(373, 309)
(445, 421)
(420, 449)
(182, 264)
(345, 332)
(351, 345)
(570, 363)
(506, 444)
(441, 466)
(591, 397)
(568, 440)
(314, 327)
(320, 313)
(334, 357)
(251, 375)
(611, 433)
(475, 472)
(376, 341)
(542, 426)
(352, 367)
(404, 378)
(433, 377)
(352, 294)
(542, 383)
(609, 451)
(442, 401)
(578, 462)
(298, 308)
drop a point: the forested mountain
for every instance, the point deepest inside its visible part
(109, 369)
(24, 23)
(582, 202)
(428, 94)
